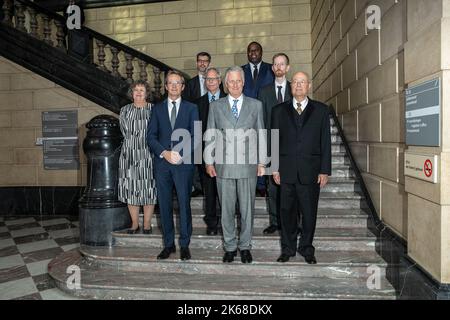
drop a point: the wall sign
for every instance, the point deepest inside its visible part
(421, 166)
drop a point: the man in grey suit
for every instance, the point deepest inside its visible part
(236, 118)
(271, 95)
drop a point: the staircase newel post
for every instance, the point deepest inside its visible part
(157, 83)
(115, 62)
(100, 210)
(60, 36)
(20, 17)
(7, 6)
(47, 30)
(129, 67)
(33, 23)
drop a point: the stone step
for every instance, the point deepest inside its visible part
(333, 264)
(342, 239)
(336, 138)
(116, 284)
(340, 158)
(337, 147)
(337, 200)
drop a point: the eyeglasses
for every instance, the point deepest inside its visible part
(177, 83)
(302, 82)
(202, 61)
(212, 79)
(233, 82)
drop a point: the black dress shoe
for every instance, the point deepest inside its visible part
(284, 257)
(270, 229)
(196, 193)
(310, 259)
(166, 253)
(147, 231)
(133, 231)
(246, 256)
(185, 254)
(211, 231)
(229, 256)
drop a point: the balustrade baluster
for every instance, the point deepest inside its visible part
(115, 62)
(157, 83)
(101, 55)
(129, 67)
(20, 17)
(143, 74)
(47, 30)
(33, 22)
(7, 19)
(60, 36)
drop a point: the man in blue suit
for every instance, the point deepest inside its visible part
(258, 74)
(173, 166)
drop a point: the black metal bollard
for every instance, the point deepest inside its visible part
(100, 210)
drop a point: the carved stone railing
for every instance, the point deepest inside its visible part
(106, 54)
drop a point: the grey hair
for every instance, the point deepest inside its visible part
(235, 69)
(134, 84)
(213, 69)
(174, 72)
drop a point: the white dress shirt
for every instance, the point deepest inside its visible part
(201, 79)
(170, 105)
(303, 103)
(283, 88)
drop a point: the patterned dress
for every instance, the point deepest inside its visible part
(136, 181)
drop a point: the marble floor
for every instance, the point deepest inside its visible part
(27, 245)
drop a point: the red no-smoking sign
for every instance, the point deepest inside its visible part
(428, 168)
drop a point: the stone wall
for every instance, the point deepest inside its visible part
(361, 73)
(174, 32)
(23, 97)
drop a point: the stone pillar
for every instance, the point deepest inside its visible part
(100, 210)
(428, 203)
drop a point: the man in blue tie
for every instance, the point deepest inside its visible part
(214, 92)
(173, 166)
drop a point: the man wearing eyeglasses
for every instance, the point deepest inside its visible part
(214, 92)
(174, 166)
(195, 87)
(305, 164)
(232, 156)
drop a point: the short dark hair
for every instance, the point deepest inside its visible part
(203, 53)
(174, 72)
(281, 54)
(134, 84)
(254, 42)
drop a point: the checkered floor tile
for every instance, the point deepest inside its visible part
(27, 245)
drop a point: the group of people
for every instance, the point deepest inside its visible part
(256, 96)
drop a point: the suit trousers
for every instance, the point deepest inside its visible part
(294, 198)
(210, 192)
(274, 202)
(165, 181)
(243, 191)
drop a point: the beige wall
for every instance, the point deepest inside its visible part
(360, 72)
(23, 97)
(175, 32)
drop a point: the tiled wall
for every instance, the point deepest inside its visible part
(361, 73)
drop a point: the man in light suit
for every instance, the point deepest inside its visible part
(271, 95)
(258, 74)
(173, 166)
(232, 118)
(305, 164)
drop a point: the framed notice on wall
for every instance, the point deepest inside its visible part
(60, 140)
(423, 114)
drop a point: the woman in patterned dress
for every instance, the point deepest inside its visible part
(136, 180)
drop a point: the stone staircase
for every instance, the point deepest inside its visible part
(345, 250)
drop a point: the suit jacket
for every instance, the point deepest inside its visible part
(305, 141)
(265, 77)
(268, 96)
(192, 90)
(230, 133)
(159, 133)
(203, 108)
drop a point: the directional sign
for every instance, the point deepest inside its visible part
(421, 166)
(423, 114)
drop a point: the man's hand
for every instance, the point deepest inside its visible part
(276, 178)
(261, 170)
(211, 171)
(322, 179)
(172, 157)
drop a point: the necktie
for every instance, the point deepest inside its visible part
(213, 97)
(299, 108)
(255, 72)
(279, 95)
(234, 109)
(173, 114)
